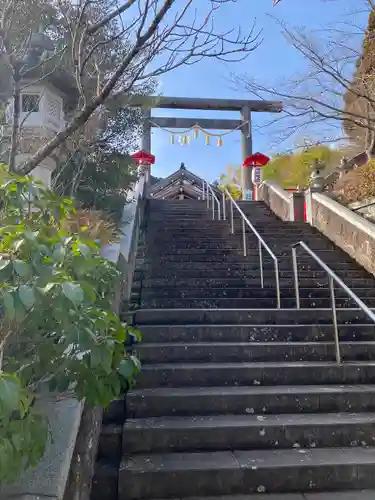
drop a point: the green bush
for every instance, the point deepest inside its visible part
(57, 327)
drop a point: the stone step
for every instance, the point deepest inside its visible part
(237, 257)
(165, 272)
(173, 475)
(260, 333)
(253, 264)
(248, 400)
(246, 316)
(342, 495)
(217, 352)
(247, 303)
(174, 242)
(246, 282)
(242, 432)
(236, 293)
(180, 236)
(261, 373)
(195, 226)
(278, 249)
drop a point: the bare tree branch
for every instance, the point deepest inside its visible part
(316, 98)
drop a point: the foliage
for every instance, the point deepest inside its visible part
(292, 170)
(289, 170)
(98, 180)
(57, 328)
(94, 225)
(357, 184)
(231, 181)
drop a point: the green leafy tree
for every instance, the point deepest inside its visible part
(57, 328)
(231, 181)
(292, 170)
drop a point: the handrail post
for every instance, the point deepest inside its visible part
(218, 210)
(277, 278)
(244, 238)
(224, 207)
(232, 217)
(296, 279)
(261, 263)
(213, 208)
(334, 317)
(204, 190)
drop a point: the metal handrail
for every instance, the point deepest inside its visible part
(261, 244)
(332, 277)
(209, 193)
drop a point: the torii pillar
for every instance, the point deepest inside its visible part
(247, 150)
(244, 107)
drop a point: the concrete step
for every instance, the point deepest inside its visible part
(172, 475)
(237, 257)
(196, 226)
(253, 317)
(249, 265)
(174, 247)
(337, 495)
(237, 293)
(165, 272)
(249, 400)
(217, 352)
(260, 333)
(243, 432)
(246, 282)
(247, 303)
(261, 373)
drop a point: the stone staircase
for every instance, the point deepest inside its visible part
(237, 397)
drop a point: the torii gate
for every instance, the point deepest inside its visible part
(244, 107)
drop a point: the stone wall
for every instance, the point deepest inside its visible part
(349, 231)
(289, 206)
(276, 198)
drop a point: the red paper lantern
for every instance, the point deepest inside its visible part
(256, 160)
(143, 158)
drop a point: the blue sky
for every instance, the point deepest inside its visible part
(272, 61)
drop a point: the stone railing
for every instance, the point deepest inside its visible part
(349, 231)
(287, 205)
(65, 471)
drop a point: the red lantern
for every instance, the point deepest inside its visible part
(143, 158)
(256, 160)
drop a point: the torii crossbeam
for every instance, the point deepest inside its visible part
(244, 107)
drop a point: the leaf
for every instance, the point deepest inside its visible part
(10, 311)
(73, 292)
(135, 333)
(89, 291)
(27, 296)
(4, 264)
(136, 362)
(9, 392)
(45, 289)
(59, 253)
(126, 368)
(30, 235)
(101, 356)
(84, 250)
(22, 268)
(19, 308)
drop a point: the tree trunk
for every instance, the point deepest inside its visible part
(15, 123)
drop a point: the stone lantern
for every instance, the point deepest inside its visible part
(43, 101)
(344, 167)
(317, 177)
